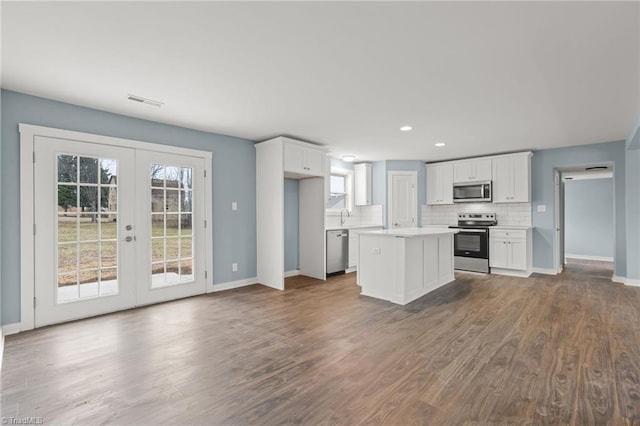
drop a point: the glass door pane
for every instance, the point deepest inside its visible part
(170, 221)
(86, 227)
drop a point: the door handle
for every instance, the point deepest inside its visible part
(129, 238)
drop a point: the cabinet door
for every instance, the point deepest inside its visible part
(293, 158)
(482, 170)
(445, 183)
(462, 171)
(362, 174)
(433, 187)
(498, 257)
(517, 254)
(502, 180)
(353, 249)
(313, 162)
(520, 177)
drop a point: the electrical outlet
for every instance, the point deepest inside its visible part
(234, 267)
(375, 250)
(234, 205)
(542, 208)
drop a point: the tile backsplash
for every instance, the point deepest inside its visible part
(360, 215)
(508, 214)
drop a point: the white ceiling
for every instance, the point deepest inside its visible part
(482, 77)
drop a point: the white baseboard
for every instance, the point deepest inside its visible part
(546, 271)
(350, 270)
(293, 273)
(235, 284)
(510, 272)
(9, 329)
(626, 281)
(587, 257)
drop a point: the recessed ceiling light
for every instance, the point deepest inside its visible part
(406, 128)
(349, 158)
(440, 144)
(140, 99)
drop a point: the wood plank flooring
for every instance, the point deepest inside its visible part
(481, 350)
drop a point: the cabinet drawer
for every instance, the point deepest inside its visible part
(508, 233)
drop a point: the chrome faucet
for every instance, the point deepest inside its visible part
(342, 220)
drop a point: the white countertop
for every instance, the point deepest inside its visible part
(336, 228)
(518, 227)
(412, 232)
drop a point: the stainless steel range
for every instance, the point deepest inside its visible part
(471, 244)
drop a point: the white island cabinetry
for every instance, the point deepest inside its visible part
(402, 265)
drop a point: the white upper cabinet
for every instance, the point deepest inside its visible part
(475, 170)
(511, 178)
(302, 160)
(362, 175)
(440, 183)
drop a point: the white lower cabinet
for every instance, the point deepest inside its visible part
(510, 250)
(354, 244)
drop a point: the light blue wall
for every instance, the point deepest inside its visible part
(291, 224)
(379, 187)
(542, 168)
(633, 211)
(588, 221)
(234, 179)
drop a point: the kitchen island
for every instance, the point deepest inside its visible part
(402, 265)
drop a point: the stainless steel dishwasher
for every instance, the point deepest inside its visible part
(337, 250)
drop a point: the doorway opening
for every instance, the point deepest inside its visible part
(585, 221)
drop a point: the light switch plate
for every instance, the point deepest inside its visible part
(234, 267)
(375, 250)
(234, 206)
(542, 208)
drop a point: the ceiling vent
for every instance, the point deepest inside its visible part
(596, 168)
(140, 99)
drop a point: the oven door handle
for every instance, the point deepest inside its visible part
(477, 231)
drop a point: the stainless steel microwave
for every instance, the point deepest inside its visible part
(472, 192)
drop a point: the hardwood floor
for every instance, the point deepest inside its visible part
(481, 350)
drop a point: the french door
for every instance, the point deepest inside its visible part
(115, 228)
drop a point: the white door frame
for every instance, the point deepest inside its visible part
(28, 134)
(414, 180)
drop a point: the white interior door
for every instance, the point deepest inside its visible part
(402, 200)
(84, 216)
(170, 226)
(115, 228)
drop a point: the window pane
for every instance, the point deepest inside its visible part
(88, 227)
(108, 199)
(67, 257)
(108, 254)
(109, 228)
(108, 171)
(186, 247)
(67, 198)
(337, 201)
(172, 201)
(89, 284)
(185, 224)
(67, 227)
(157, 249)
(88, 170)
(157, 201)
(338, 183)
(171, 245)
(67, 168)
(88, 255)
(89, 198)
(157, 225)
(157, 175)
(172, 224)
(172, 176)
(186, 198)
